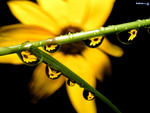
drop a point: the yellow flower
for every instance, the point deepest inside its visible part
(51, 18)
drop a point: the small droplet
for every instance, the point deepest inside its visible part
(116, 28)
(51, 48)
(70, 35)
(70, 82)
(88, 95)
(28, 58)
(148, 29)
(52, 73)
(101, 28)
(81, 85)
(139, 20)
(127, 37)
(139, 25)
(94, 42)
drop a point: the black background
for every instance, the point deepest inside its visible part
(127, 87)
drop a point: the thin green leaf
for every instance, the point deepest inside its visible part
(69, 74)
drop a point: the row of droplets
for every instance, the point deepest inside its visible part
(125, 37)
(53, 73)
(29, 59)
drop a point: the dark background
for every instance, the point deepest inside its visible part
(127, 87)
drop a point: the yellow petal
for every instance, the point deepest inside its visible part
(11, 59)
(79, 103)
(57, 9)
(31, 14)
(99, 62)
(87, 72)
(19, 33)
(77, 11)
(41, 86)
(110, 48)
(98, 14)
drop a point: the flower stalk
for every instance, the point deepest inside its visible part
(50, 61)
(73, 37)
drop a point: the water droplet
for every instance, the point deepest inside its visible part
(116, 28)
(51, 48)
(81, 85)
(148, 29)
(139, 20)
(28, 58)
(52, 73)
(94, 42)
(139, 25)
(70, 82)
(101, 28)
(70, 35)
(88, 95)
(127, 37)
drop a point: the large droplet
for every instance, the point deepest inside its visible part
(94, 42)
(88, 95)
(28, 58)
(127, 37)
(52, 73)
(70, 82)
(51, 48)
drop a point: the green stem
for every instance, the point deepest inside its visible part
(69, 74)
(102, 31)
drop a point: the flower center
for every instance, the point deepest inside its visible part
(72, 48)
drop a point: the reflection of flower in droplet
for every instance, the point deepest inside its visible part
(95, 41)
(52, 73)
(133, 33)
(58, 17)
(88, 95)
(70, 82)
(51, 48)
(28, 57)
(127, 37)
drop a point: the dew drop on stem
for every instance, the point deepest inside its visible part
(127, 37)
(94, 42)
(51, 48)
(70, 82)
(52, 73)
(88, 95)
(28, 58)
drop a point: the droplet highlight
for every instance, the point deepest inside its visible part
(71, 82)
(28, 58)
(88, 95)
(52, 73)
(94, 42)
(127, 37)
(51, 48)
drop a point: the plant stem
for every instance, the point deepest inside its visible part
(69, 74)
(73, 37)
